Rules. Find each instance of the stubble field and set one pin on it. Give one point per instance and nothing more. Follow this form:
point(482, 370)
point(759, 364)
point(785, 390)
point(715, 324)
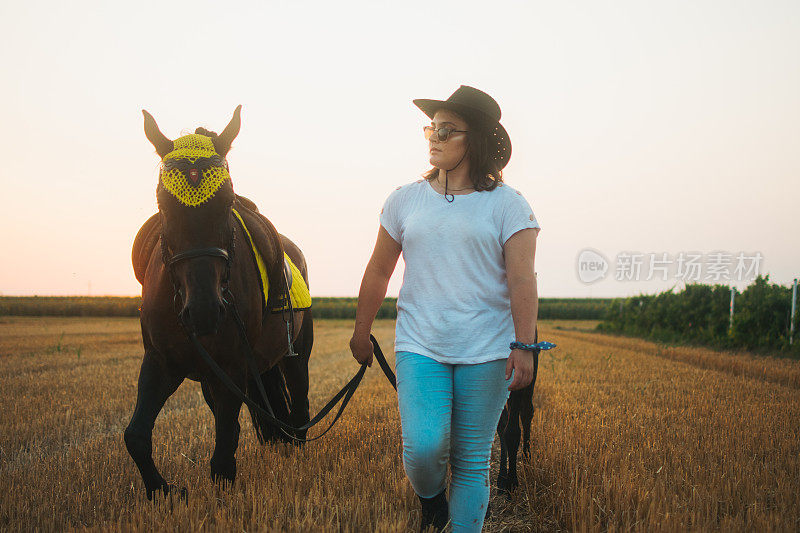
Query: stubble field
point(627, 435)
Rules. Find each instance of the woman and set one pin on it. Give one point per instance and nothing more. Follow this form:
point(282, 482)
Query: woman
point(469, 290)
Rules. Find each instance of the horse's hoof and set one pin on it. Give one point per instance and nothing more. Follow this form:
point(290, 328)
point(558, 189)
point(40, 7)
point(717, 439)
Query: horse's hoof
point(168, 491)
point(504, 490)
point(163, 489)
point(182, 495)
point(502, 484)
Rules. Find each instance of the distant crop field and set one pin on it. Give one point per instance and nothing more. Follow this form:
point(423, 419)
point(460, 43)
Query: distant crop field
point(627, 435)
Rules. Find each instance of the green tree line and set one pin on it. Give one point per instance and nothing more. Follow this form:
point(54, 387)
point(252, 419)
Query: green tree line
point(323, 307)
point(700, 314)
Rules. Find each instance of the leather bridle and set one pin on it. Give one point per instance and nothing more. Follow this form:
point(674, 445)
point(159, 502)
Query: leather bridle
point(170, 260)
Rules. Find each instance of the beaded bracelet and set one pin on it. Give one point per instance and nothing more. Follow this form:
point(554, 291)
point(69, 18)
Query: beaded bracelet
point(543, 345)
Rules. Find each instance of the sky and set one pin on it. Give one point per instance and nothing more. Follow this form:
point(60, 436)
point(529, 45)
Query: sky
point(637, 128)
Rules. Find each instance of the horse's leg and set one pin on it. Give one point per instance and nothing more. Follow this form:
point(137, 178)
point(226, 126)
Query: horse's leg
point(226, 425)
point(155, 386)
point(207, 395)
point(278, 396)
point(265, 431)
point(526, 411)
point(513, 434)
point(527, 417)
point(502, 476)
point(296, 374)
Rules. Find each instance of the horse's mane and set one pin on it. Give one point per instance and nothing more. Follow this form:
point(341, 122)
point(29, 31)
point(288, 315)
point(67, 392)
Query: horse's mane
point(208, 133)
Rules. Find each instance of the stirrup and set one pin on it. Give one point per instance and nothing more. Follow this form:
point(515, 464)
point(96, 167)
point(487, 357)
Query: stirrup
point(287, 277)
point(291, 352)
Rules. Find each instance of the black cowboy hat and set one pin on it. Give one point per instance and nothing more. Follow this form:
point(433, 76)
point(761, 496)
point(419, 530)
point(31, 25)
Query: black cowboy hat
point(476, 107)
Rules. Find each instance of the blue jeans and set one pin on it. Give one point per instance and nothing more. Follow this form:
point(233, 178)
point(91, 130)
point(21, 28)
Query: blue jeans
point(450, 411)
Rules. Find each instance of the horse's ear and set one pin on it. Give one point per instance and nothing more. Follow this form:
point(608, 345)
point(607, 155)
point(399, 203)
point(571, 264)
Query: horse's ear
point(159, 140)
point(222, 144)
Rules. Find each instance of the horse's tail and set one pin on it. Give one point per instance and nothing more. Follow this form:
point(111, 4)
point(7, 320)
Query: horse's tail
point(278, 396)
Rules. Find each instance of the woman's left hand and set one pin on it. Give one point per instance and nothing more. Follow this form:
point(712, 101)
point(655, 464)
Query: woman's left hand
point(521, 362)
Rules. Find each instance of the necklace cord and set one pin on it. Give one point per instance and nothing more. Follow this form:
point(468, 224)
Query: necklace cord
point(452, 197)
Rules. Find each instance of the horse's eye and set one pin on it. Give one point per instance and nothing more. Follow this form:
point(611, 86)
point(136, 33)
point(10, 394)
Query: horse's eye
point(165, 243)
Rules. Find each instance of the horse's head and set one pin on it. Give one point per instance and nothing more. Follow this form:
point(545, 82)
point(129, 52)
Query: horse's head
point(195, 195)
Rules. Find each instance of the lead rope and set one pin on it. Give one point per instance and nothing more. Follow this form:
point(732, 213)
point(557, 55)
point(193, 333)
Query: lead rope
point(346, 393)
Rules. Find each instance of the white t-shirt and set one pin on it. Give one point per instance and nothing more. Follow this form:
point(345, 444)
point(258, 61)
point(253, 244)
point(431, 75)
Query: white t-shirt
point(454, 303)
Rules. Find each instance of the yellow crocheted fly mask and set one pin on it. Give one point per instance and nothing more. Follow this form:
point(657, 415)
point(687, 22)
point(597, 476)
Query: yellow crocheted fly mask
point(193, 172)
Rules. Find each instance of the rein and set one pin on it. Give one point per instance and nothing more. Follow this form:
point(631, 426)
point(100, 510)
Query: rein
point(346, 392)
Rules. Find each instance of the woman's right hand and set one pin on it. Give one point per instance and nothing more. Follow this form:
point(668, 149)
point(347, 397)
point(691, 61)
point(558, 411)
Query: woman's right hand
point(373, 289)
point(362, 348)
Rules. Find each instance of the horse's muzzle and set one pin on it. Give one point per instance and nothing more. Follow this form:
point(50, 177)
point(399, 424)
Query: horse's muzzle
point(202, 319)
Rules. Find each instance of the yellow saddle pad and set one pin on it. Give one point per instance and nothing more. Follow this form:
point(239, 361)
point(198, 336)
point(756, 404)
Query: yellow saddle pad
point(298, 290)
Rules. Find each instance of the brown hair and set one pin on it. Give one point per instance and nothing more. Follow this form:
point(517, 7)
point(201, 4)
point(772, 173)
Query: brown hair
point(483, 171)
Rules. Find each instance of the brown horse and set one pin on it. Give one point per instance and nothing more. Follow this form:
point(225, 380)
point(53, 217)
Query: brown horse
point(194, 267)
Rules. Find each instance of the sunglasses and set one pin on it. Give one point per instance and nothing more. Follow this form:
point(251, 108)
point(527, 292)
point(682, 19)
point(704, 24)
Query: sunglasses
point(441, 134)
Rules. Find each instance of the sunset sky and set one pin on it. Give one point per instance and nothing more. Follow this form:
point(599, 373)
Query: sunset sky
point(661, 127)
